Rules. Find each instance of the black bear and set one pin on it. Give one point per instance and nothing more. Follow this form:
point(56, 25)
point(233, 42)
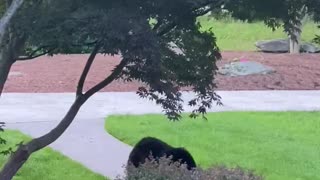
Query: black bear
point(159, 149)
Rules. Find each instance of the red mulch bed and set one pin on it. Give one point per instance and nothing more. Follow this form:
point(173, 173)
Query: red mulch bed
point(60, 73)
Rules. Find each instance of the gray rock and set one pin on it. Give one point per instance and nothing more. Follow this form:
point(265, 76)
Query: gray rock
point(309, 48)
point(283, 46)
point(274, 46)
point(245, 68)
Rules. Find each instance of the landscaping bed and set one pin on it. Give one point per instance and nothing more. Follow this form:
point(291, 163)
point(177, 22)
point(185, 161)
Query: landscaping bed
point(61, 73)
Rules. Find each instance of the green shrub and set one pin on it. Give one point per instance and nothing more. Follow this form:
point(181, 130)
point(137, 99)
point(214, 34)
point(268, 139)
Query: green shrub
point(165, 170)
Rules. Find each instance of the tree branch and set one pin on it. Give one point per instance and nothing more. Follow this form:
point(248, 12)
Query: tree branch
point(204, 12)
point(207, 3)
point(1, 89)
point(37, 50)
point(115, 73)
point(167, 29)
point(53, 135)
point(33, 56)
point(86, 70)
point(86, 44)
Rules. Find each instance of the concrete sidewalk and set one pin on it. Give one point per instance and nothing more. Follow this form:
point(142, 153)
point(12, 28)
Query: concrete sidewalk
point(86, 140)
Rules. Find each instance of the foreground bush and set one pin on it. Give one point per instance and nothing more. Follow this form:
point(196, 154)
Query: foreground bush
point(165, 170)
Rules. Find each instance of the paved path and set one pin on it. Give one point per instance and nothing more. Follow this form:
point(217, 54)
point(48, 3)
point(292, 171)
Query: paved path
point(87, 142)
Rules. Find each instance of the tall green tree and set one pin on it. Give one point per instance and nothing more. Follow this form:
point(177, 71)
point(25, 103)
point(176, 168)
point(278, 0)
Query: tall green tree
point(159, 42)
point(288, 14)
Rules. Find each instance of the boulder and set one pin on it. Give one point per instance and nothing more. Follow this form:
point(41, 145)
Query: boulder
point(309, 48)
point(245, 68)
point(274, 46)
point(283, 46)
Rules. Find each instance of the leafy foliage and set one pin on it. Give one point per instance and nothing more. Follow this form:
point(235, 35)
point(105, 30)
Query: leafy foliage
point(278, 9)
point(165, 169)
point(4, 141)
point(317, 39)
point(147, 50)
point(276, 13)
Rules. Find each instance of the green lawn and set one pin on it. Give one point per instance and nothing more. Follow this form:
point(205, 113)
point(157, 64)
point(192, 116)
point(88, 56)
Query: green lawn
point(47, 164)
point(280, 146)
point(240, 36)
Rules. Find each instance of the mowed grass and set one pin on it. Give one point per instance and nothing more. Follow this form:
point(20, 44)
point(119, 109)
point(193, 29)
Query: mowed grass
point(279, 146)
point(46, 164)
point(235, 35)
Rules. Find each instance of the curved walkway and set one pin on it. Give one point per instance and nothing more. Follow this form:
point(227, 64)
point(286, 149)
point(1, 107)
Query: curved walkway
point(86, 140)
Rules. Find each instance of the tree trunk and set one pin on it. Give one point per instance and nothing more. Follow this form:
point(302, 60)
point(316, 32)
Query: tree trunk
point(23, 153)
point(295, 42)
point(19, 158)
point(295, 30)
point(295, 36)
point(9, 52)
point(6, 62)
point(7, 44)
